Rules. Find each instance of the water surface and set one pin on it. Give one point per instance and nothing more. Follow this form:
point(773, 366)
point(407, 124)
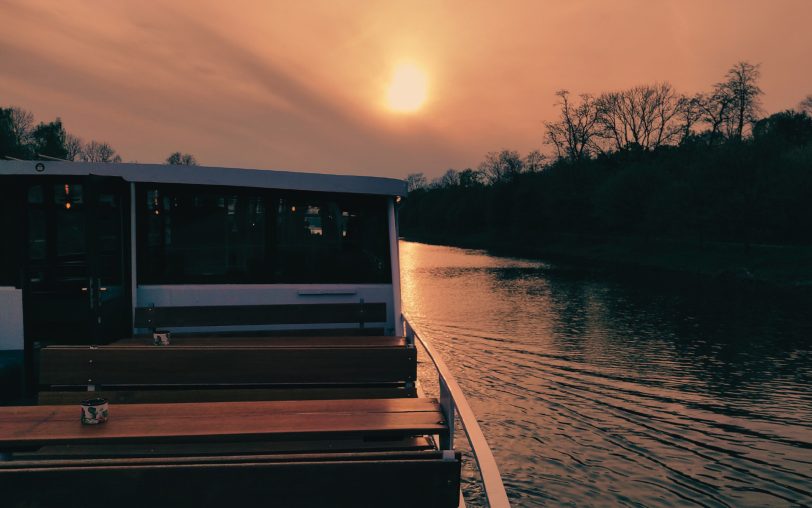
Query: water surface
point(596, 391)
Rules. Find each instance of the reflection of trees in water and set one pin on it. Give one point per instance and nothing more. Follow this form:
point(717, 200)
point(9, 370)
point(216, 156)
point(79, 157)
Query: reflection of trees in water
point(731, 342)
point(728, 341)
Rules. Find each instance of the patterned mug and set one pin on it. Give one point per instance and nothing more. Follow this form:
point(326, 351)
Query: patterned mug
point(95, 411)
point(161, 337)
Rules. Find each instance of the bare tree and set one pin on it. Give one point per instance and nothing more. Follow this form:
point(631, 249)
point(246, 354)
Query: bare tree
point(99, 152)
point(573, 135)
point(416, 181)
point(450, 178)
point(22, 123)
point(689, 113)
point(534, 161)
point(73, 146)
point(643, 116)
point(741, 85)
point(716, 111)
point(806, 104)
point(182, 159)
point(501, 166)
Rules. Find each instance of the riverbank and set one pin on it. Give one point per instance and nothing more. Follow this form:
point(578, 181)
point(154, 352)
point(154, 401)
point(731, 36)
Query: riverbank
point(782, 268)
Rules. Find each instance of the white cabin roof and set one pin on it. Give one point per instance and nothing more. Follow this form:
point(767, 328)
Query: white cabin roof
point(206, 175)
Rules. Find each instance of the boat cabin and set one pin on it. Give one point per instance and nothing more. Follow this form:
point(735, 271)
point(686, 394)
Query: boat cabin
point(94, 253)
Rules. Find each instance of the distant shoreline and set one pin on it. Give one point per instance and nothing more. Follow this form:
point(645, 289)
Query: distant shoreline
point(781, 269)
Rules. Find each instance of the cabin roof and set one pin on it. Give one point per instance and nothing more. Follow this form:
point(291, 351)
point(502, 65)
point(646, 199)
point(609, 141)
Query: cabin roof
point(207, 175)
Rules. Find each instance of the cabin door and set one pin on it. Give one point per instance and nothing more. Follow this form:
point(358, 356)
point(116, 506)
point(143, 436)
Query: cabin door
point(77, 265)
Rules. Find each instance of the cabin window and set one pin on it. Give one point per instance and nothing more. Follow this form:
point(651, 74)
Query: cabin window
point(327, 239)
point(12, 229)
point(200, 234)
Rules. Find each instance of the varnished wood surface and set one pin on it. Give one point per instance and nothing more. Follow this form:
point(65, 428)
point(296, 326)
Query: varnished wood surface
point(220, 421)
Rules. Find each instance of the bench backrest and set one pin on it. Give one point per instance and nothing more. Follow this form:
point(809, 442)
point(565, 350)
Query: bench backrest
point(201, 365)
point(359, 313)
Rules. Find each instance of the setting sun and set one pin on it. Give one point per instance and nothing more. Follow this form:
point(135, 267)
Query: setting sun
point(407, 90)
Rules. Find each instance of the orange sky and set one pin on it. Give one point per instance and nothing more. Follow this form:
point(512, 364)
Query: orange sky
point(301, 85)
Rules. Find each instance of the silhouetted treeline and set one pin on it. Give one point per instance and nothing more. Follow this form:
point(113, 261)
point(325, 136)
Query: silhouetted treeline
point(21, 139)
point(646, 162)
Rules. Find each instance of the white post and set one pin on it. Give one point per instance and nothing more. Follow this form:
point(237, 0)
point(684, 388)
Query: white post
point(395, 256)
point(447, 404)
point(133, 250)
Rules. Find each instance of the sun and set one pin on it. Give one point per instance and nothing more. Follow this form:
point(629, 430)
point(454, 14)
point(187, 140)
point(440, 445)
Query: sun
point(407, 90)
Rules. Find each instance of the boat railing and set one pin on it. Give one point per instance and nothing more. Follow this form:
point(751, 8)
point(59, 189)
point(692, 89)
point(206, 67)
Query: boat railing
point(453, 402)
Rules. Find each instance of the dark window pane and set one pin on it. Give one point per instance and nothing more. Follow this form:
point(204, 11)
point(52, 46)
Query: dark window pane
point(12, 228)
point(70, 232)
point(37, 239)
point(109, 229)
point(331, 239)
point(196, 234)
point(35, 195)
point(199, 234)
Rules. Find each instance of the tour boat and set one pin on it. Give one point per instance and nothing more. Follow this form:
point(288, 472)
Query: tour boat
point(242, 330)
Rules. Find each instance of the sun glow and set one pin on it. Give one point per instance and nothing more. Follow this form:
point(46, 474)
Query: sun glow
point(407, 90)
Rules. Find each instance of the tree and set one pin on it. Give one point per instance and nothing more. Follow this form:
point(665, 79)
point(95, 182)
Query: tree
point(470, 178)
point(741, 85)
point(806, 104)
point(573, 135)
point(11, 145)
point(73, 147)
point(99, 152)
point(48, 139)
point(21, 123)
point(534, 161)
point(689, 113)
point(501, 166)
point(416, 181)
point(790, 127)
point(643, 116)
point(450, 178)
point(182, 159)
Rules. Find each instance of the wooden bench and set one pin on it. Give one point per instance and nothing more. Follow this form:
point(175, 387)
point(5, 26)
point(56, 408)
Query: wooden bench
point(230, 369)
point(401, 478)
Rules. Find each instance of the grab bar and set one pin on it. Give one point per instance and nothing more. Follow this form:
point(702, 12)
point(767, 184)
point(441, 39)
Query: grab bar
point(451, 398)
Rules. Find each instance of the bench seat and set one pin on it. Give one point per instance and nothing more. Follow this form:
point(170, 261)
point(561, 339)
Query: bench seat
point(350, 453)
point(35, 426)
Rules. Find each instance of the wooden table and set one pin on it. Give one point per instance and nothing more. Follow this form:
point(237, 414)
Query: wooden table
point(34, 426)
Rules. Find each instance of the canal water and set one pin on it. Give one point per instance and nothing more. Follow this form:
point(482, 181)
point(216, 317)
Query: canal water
point(593, 390)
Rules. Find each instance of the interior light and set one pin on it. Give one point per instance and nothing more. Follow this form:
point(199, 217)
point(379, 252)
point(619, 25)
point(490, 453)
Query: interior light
point(67, 205)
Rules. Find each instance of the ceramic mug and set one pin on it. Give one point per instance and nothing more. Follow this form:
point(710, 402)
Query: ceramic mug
point(95, 411)
point(160, 337)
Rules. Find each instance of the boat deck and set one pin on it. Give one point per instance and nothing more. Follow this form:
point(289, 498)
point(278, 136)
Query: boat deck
point(311, 420)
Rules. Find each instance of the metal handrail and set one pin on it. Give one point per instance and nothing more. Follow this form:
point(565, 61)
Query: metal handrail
point(451, 398)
